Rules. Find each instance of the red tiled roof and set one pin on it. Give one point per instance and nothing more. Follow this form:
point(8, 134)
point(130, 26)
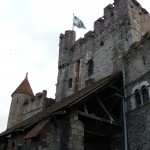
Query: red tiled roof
point(24, 87)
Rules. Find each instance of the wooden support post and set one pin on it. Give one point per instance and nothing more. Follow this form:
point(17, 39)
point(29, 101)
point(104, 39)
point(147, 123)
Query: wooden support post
point(85, 108)
point(107, 112)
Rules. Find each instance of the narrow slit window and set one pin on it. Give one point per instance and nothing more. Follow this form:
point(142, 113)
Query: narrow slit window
point(137, 98)
point(90, 67)
point(70, 83)
point(145, 94)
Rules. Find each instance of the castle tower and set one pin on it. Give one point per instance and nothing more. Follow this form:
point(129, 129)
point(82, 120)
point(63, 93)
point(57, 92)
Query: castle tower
point(67, 40)
point(101, 50)
point(19, 97)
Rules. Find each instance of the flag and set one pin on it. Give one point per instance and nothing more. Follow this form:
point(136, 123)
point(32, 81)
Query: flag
point(78, 23)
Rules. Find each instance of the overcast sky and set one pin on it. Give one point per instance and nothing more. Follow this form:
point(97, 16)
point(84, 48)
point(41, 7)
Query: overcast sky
point(29, 38)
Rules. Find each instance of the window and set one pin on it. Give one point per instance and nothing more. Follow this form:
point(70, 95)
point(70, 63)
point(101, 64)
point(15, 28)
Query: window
point(70, 83)
point(90, 67)
point(77, 79)
point(137, 98)
point(140, 94)
point(13, 144)
point(19, 147)
point(145, 94)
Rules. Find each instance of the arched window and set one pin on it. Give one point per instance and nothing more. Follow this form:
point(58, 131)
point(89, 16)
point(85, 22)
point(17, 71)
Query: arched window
point(70, 83)
point(145, 94)
point(137, 98)
point(90, 67)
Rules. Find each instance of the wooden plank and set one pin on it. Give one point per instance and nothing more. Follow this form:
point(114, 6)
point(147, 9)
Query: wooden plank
point(116, 94)
point(93, 133)
point(95, 117)
point(115, 88)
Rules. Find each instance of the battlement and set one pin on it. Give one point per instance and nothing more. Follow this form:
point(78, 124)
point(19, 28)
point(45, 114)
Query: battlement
point(112, 14)
point(138, 5)
point(67, 39)
point(122, 23)
point(65, 43)
point(36, 104)
point(109, 11)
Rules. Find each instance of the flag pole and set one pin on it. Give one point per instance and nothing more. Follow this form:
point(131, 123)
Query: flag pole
point(73, 23)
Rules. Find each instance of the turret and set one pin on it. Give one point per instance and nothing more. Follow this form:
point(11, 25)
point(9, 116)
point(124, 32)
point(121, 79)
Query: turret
point(66, 42)
point(19, 97)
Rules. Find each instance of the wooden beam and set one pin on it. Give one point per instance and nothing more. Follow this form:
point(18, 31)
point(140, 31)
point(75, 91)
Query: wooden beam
point(105, 109)
point(93, 133)
point(113, 95)
point(110, 109)
point(113, 105)
point(85, 108)
point(114, 87)
point(83, 114)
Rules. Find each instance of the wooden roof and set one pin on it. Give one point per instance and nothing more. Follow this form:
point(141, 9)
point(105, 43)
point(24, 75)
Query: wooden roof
point(63, 104)
point(37, 129)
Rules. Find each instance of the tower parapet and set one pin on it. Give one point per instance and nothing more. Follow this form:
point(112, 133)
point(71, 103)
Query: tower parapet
point(66, 42)
point(123, 23)
point(99, 25)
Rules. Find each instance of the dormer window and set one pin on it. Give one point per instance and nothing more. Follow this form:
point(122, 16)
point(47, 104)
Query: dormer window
point(70, 83)
point(90, 67)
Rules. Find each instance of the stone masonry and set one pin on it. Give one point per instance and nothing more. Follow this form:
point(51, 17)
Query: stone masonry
point(119, 42)
point(113, 34)
point(24, 104)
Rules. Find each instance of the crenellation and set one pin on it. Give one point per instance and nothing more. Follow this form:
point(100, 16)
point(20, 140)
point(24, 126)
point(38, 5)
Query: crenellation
point(79, 42)
point(67, 40)
point(24, 106)
point(136, 3)
point(139, 6)
point(35, 104)
point(108, 12)
point(144, 11)
point(89, 34)
point(110, 66)
point(113, 35)
point(139, 20)
point(118, 2)
point(99, 25)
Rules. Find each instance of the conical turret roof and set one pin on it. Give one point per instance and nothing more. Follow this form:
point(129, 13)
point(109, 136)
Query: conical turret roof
point(24, 87)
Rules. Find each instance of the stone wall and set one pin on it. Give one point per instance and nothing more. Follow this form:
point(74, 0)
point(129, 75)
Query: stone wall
point(137, 60)
point(137, 74)
point(138, 125)
point(139, 20)
point(60, 133)
point(24, 106)
point(16, 108)
point(34, 104)
point(137, 68)
point(113, 34)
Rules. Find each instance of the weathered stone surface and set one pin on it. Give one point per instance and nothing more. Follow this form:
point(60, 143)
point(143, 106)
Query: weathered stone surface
point(113, 35)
